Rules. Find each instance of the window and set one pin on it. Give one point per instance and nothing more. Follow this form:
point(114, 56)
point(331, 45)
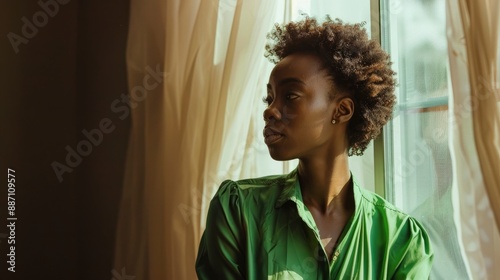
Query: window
point(418, 168)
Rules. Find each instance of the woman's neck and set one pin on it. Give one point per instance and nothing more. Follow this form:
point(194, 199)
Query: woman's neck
point(326, 184)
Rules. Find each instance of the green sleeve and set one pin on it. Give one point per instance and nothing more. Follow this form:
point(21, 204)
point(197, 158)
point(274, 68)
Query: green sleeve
point(220, 255)
point(417, 255)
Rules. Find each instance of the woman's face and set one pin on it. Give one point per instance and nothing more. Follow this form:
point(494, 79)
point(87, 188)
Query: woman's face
point(300, 111)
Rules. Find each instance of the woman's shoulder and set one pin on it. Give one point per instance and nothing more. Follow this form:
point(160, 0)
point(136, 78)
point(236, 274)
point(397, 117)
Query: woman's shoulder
point(377, 203)
point(396, 222)
point(381, 209)
point(253, 190)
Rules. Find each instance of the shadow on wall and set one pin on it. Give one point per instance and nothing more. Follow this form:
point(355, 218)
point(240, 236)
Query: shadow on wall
point(63, 64)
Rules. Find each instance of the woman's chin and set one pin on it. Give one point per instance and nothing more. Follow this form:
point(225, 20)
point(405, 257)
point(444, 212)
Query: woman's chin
point(279, 155)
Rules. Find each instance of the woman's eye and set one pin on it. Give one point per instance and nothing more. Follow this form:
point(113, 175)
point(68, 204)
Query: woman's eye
point(291, 96)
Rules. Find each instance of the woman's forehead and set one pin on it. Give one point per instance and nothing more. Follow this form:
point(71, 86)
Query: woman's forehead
point(302, 66)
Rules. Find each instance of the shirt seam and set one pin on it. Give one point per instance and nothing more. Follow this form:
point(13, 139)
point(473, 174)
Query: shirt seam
point(384, 205)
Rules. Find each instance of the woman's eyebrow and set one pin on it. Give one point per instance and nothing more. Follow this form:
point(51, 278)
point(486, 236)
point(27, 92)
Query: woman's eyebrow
point(291, 80)
point(287, 81)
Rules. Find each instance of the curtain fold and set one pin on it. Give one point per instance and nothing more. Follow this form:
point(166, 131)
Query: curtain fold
point(481, 38)
point(195, 124)
point(473, 28)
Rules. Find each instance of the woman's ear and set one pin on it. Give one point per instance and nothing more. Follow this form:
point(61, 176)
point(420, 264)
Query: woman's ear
point(344, 110)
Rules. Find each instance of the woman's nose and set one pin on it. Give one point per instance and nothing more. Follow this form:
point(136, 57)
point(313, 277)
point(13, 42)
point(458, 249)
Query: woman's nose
point(271, 113)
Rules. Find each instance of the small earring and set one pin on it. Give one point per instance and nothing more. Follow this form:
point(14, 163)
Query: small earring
point(334, 121)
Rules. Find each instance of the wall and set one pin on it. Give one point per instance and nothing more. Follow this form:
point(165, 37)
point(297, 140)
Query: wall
point(62, 80)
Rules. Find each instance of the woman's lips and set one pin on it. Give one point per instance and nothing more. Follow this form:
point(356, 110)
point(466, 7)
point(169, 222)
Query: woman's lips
point(271, 139)
point(271, 136)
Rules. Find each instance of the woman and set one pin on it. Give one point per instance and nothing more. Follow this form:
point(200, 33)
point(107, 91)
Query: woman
point(329, 94)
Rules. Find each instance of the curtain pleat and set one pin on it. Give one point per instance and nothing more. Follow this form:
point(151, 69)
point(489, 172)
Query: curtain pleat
point(194, 128)
point(475, 128)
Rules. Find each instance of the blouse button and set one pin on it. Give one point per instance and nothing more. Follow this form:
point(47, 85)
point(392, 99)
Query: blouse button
point(335, 255)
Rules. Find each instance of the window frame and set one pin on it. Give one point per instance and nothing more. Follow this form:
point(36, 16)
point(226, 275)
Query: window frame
point(384, 144)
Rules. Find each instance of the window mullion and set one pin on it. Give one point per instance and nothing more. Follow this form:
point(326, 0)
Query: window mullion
point(378, 147)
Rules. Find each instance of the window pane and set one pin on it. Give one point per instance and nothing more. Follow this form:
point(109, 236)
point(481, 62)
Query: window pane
point(418, 155)
point(420, 27)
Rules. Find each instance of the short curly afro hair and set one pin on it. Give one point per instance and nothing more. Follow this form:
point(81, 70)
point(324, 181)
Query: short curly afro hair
point(357, 65)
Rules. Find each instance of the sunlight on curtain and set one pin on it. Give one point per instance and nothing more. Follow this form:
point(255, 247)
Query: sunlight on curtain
point(473, 28)
point(199, 127)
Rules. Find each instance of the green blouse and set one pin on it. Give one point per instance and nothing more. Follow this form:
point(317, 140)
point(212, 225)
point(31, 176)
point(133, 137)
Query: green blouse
point(261, 229)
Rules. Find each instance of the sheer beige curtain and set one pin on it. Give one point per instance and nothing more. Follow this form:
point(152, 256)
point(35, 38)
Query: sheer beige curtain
point(196, 76)
point(473, 33)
